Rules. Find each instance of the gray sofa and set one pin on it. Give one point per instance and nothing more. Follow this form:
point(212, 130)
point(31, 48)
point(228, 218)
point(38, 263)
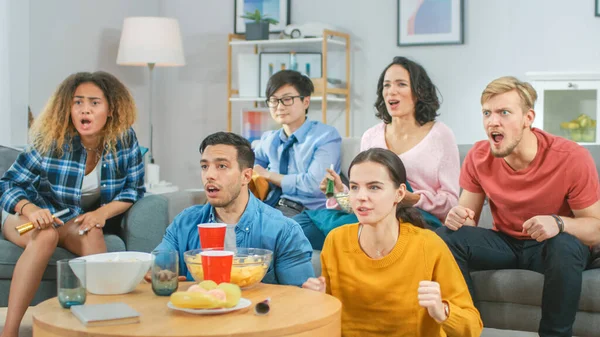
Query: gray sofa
point(511, 299)
point(141, 229)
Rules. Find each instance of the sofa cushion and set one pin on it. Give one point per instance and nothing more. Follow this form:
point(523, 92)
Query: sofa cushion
point(7, 158)
point(11, 253)
point(525, 287)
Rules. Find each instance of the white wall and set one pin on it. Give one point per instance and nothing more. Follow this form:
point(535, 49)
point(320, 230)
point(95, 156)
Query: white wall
point(19, 70)
point(14, 71)
point(507, 37)
point(5, 115)
point(68, 36)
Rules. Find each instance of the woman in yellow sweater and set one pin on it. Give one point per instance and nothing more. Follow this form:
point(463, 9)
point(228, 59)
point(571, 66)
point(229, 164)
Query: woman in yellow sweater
point(393, 277)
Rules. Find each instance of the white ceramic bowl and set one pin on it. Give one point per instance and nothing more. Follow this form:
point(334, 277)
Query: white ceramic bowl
point(113, 273)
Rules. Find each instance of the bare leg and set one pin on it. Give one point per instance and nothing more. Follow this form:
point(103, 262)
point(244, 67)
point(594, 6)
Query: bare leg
point(39, 246)
point(89, 243)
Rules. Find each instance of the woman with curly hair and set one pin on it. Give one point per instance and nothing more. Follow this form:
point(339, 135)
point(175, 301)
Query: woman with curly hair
point(84, 157)
point(407, 104)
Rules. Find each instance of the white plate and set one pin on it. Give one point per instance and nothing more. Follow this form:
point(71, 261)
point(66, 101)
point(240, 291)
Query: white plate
point(243, 303)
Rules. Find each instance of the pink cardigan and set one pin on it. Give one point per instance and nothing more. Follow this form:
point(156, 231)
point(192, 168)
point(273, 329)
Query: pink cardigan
point(432, 167)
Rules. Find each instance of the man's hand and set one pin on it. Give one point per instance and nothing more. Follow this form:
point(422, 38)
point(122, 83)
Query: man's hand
point(458, 216)
point(430, 297)
point(338, 186)
point(261, 171)
point(90, 220)
point(541, 227)
point(148, 277)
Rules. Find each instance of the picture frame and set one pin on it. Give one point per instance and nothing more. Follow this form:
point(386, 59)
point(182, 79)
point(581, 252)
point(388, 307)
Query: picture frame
point(310, 64)
point(266, 7)
point(425, 22)
point(597, 8)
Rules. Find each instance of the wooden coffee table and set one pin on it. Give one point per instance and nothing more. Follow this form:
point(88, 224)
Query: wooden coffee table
point(294, 312)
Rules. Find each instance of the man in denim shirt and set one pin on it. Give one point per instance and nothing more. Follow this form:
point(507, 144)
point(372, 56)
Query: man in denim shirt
point(227, 161)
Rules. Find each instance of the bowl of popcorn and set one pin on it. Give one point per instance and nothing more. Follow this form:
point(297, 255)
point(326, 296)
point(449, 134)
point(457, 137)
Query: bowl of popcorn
point(248, 268)
point(344, 201)
point(113, 273)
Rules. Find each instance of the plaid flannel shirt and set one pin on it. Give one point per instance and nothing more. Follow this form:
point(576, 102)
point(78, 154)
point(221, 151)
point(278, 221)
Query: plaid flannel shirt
point(55, 183)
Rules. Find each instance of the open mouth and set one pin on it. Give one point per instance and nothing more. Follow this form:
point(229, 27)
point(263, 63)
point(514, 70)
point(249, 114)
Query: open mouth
point(393, 103)
point(497, 137)
point(86, 123)
point(211, 190)
point(361, 210)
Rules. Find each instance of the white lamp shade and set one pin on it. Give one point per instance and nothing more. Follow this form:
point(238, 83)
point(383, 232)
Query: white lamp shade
point(150, 40)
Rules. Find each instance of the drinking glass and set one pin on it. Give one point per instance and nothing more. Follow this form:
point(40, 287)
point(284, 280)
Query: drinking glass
point(71, 282)
point(165, 272)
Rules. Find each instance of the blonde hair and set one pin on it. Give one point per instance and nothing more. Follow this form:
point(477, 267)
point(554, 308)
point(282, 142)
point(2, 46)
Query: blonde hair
point(507, 83)
point(53, 129)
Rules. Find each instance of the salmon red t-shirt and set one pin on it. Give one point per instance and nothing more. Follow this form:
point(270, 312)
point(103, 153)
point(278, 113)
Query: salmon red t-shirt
point(562, 177)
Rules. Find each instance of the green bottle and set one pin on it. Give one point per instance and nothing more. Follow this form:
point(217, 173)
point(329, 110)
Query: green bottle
point(330, 191)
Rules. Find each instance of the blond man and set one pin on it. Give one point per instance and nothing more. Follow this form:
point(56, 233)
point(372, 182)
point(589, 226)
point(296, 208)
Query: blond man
point(543, 192)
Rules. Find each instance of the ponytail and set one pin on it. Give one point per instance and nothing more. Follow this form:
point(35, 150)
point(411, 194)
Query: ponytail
point(411, 215)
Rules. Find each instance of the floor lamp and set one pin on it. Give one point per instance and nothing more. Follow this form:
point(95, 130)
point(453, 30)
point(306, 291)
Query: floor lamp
point(151, 42)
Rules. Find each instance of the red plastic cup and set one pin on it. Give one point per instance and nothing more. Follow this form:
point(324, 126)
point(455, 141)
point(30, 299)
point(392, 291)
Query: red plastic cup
point(212, 235)
point(216, 265)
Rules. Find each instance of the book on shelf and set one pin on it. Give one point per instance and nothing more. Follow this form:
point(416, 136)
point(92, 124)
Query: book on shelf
point(92, 315)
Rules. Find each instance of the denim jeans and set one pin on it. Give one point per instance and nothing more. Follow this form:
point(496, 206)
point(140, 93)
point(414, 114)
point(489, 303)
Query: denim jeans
point(561, 259)
point(314, 235)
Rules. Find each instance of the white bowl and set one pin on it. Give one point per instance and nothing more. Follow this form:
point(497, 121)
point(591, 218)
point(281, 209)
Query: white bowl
point(113, 273)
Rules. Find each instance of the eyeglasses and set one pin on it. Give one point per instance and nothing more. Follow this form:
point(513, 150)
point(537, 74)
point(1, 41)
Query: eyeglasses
point(286, 101)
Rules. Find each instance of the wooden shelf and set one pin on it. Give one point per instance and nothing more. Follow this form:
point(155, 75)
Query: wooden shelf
point(262, 99)
point(287, 42)
point(330, 40)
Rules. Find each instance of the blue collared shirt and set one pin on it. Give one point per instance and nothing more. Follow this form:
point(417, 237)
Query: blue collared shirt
point(318, 146)
point(261, 226)
point(54, 182)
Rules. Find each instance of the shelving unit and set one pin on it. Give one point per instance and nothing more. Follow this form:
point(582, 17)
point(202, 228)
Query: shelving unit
point(568, 104)
point(330, 39)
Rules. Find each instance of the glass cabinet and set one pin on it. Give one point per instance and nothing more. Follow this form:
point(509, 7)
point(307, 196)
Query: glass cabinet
point(568, 105)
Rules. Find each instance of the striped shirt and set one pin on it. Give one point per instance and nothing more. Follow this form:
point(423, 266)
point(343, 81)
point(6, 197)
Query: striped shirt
point(54, 182)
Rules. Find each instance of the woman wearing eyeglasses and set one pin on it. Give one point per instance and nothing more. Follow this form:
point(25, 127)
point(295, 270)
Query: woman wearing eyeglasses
point(294, 158)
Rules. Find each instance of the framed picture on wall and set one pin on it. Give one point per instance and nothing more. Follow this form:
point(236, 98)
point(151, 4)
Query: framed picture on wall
point(430, 22)
point(597, 8)
point(309, 64)
point(275, 9)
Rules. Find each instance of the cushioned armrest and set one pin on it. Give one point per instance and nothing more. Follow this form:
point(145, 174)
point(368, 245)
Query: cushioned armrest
point(145, 223)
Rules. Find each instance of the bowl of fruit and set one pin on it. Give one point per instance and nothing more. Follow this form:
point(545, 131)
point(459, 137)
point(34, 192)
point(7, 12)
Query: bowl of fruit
point(208, 298)
point(248, 268)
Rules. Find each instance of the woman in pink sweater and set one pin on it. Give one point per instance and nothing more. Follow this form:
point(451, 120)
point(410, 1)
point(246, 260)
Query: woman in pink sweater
point(407, 103)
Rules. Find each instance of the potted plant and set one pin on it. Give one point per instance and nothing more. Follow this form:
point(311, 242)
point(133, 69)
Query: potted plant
point(258, 29)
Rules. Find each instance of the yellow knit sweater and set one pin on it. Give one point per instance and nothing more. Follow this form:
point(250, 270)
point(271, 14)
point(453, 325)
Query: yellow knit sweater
point(379, 297)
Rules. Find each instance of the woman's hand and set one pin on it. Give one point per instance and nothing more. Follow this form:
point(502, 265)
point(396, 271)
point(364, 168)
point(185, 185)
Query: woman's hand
point(90, 220)
point(410, 199)
point(316, 284)
point(430, 297)
point(338, 186)
point(41, 218)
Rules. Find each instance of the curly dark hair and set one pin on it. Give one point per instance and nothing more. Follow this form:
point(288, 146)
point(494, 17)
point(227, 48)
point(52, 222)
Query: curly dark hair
point(425, 92)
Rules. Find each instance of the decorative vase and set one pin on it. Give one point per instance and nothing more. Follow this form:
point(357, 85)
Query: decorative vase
point(257, 31)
